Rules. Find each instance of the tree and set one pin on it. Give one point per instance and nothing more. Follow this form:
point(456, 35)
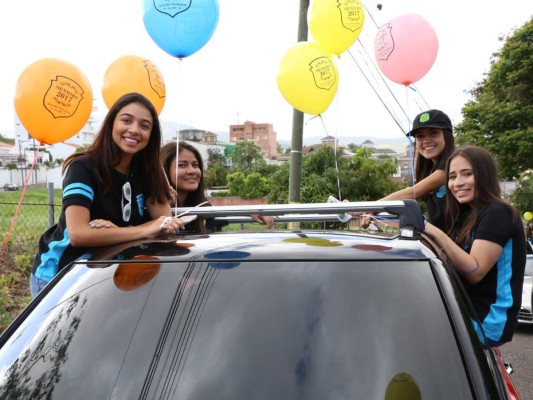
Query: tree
point(500, 116)
point(215, 155)
point(522, 197)
point(10, 167)
point(358, 178)
point(5, 139)
point(248, 186)
point(216, 175)
point(246, 155)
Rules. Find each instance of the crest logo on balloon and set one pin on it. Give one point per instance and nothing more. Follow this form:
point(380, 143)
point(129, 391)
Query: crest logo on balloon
point(63, 97)
point(323, 72)
point(172, 8)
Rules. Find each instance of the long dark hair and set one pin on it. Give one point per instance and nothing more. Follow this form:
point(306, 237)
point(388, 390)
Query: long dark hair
point(106, 155)
point(486, 191)
point(424, 166)
point(168, 154)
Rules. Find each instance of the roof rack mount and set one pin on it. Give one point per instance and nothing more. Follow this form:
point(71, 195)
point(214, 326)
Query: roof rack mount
point(408, 211)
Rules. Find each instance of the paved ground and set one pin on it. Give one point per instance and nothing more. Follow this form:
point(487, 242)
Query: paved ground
point(520, 353)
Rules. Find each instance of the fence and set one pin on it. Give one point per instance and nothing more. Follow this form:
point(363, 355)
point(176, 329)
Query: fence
point(33, 218)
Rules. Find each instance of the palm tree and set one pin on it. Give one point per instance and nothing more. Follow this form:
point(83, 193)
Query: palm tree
point(10, 167)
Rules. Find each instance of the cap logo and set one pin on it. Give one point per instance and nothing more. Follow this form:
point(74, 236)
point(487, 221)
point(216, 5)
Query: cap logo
point(424, 118)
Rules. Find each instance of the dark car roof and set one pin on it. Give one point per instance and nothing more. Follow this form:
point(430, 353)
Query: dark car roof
point(270, 245)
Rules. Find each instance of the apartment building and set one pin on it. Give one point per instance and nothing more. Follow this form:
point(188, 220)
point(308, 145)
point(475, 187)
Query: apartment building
point(262, 135)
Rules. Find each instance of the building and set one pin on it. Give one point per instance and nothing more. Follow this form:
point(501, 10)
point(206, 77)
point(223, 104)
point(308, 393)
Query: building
point(263, 135)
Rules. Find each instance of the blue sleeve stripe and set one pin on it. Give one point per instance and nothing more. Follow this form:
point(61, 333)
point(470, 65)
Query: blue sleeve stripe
point(79, 188)
point(495, 322)
point(50, 260)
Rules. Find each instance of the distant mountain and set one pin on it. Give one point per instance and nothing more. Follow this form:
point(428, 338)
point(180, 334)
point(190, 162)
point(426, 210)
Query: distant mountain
point(395, 142)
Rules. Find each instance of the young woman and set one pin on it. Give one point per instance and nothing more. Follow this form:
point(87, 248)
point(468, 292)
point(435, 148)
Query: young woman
point(486, 242)
point(433, 133)
point(188, 182)
point(113, 192)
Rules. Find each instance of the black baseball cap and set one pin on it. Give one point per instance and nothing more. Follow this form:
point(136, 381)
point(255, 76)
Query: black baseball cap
point(431, 119)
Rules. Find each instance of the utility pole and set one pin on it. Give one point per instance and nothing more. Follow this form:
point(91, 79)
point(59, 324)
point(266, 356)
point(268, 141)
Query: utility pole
point(295, 177)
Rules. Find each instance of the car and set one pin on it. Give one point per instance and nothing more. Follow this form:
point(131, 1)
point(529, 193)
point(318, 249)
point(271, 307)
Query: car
point(327, 312)
point(10, 187)
point(525, 316)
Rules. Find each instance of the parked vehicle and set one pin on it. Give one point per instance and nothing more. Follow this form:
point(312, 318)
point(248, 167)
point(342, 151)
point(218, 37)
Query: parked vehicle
point(525, 315)
point(277, 314)
point(10, 187)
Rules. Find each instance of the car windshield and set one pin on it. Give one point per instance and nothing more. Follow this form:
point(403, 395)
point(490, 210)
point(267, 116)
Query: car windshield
point(251, 330)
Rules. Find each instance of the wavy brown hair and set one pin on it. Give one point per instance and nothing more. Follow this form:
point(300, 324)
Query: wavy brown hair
point(168, 154)
point(486, 191)
point(105, 154)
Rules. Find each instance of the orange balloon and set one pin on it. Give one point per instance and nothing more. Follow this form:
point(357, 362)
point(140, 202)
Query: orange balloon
point(53, 100)
point(132, 276)
point(134, 74)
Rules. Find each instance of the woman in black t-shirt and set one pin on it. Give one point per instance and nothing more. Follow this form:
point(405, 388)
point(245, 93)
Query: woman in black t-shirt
point(113, 192)
point(433, 133)
point(187, 179)
point(487, 247)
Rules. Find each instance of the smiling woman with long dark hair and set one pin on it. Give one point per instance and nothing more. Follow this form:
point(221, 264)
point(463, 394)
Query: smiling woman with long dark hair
point(113, 192)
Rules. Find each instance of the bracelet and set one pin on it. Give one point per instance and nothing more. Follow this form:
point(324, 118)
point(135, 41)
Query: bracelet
point(167, 219)
point(445, 245)
point(471, 271)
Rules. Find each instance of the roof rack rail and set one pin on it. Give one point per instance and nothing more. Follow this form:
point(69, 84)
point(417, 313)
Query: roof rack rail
point(408, 212)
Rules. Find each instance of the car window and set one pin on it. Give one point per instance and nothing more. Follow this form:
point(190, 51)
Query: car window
point(254, 330)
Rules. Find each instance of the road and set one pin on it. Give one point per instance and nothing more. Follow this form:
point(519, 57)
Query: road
point(520, 353)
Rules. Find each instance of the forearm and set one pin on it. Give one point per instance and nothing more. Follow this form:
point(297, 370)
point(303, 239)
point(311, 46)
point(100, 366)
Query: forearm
point(464, 263)
point(103, 236)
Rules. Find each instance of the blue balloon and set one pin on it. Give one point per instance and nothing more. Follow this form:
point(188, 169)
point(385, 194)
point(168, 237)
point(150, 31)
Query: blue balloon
point(180, 27)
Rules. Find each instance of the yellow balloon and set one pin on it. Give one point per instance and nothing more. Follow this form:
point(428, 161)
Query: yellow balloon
point(336, 24)
point(53, 100)
point(134, 74)
point(528, 215)
point(308, 78)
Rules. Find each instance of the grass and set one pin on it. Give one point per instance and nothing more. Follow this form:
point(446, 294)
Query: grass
point(31, 222)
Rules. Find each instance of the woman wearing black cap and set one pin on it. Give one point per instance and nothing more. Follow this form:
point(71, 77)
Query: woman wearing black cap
point(433, 133)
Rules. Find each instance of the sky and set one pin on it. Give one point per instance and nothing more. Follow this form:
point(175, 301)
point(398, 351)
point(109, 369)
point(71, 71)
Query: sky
point(232, 79)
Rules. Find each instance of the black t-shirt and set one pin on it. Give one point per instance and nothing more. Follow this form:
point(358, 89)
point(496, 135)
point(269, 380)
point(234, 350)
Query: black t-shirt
point(436, 202)
point(498, 296)
point(82, 187)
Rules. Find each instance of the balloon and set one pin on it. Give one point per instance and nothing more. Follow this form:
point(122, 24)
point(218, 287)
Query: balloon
point(53, 100)
point(403, 386)
point(528, 215)
point(334, 24)
point(131, 276)
point(406, 48)
point(308, 78)
point(134, 74)
point(183, 27)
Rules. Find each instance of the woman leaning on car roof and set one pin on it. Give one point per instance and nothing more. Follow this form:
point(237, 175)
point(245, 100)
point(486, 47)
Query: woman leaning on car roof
point(113, 192)
point(434, 141)
point(486, 242)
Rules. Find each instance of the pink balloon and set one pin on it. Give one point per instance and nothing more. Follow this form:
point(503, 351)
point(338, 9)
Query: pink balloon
point(406, 48)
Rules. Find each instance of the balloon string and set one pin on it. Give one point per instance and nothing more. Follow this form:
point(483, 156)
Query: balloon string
point(36, 153)
point(334, 155)
point(411, 155)
point(180, 60)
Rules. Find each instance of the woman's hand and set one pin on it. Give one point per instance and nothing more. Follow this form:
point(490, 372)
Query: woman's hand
point(169, 224)
point(101, 223)
point(264, 220)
